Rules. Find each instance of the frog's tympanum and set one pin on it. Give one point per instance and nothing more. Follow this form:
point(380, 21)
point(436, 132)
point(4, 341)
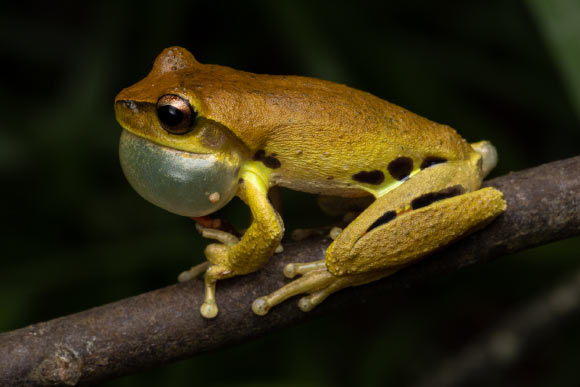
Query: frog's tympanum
point(196, 135)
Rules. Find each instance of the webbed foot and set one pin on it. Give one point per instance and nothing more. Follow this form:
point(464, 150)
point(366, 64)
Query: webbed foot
point(316, 281)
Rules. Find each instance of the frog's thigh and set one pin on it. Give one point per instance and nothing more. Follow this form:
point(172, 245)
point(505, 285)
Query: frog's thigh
point(391, 238)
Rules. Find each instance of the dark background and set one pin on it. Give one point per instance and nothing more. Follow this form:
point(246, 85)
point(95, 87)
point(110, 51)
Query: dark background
point(75, 235)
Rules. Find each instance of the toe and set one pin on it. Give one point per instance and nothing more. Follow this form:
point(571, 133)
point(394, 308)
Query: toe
point(209, 309)
point(261, 306)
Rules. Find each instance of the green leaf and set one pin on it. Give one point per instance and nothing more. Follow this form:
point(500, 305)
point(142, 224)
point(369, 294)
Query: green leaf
point(559, 23)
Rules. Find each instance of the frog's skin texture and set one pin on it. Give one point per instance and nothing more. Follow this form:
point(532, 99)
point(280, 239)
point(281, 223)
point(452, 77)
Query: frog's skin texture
point(238, 133)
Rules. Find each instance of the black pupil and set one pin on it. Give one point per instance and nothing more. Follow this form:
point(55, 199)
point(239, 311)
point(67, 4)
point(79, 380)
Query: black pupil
point(170, 115)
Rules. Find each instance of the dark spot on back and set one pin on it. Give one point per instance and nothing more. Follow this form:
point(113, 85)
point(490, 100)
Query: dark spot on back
point(269, 161)
point(432, 160)
point(369, 177)
point(260, 155)
point(272, 162)
point(432, 197)
point(401, 167)
point(385, 218)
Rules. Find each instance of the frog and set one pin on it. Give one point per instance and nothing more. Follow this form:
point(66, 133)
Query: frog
point(197, 135)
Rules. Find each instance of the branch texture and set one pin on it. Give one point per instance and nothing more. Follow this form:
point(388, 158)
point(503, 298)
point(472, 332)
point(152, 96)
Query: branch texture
point(165, 325)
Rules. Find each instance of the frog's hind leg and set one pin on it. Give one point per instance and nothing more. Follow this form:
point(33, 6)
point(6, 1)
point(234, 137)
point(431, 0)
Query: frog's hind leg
point(400, 237)
point(435, 207)
point(439, 205)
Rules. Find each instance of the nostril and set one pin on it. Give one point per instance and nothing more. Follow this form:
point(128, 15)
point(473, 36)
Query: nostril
point(129, 104)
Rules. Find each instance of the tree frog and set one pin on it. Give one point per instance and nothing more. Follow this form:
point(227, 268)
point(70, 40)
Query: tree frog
point(196, 135)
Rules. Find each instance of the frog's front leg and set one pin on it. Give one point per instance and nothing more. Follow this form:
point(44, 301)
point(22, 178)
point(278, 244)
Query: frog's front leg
point(223, 237)
point(414, 219)
point(231, 258)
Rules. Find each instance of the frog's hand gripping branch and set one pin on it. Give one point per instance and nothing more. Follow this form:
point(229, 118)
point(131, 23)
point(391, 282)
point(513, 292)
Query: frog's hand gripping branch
point(258, 244)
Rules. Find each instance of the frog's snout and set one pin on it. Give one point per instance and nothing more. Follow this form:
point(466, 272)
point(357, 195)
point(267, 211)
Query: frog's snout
point(185, 183)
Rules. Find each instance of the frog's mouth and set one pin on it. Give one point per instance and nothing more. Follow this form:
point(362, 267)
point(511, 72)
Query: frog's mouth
point(185, 183)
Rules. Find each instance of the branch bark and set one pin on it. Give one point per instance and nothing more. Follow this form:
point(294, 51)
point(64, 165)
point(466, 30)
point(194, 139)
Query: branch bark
point(164, 325)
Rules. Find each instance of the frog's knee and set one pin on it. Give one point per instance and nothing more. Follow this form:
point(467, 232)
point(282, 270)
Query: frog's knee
point(488, 156)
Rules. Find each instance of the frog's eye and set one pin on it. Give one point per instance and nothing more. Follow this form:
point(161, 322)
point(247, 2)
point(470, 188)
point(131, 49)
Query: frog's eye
point(175, 114)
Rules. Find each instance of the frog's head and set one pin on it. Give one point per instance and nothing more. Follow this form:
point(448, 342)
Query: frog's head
point(171, 154)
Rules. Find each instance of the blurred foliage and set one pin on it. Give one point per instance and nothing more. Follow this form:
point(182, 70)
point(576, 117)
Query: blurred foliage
point(558, 21)
point(75, 235)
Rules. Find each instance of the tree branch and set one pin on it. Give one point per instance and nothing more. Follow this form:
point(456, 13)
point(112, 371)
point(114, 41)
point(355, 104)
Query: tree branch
point(164, 325)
